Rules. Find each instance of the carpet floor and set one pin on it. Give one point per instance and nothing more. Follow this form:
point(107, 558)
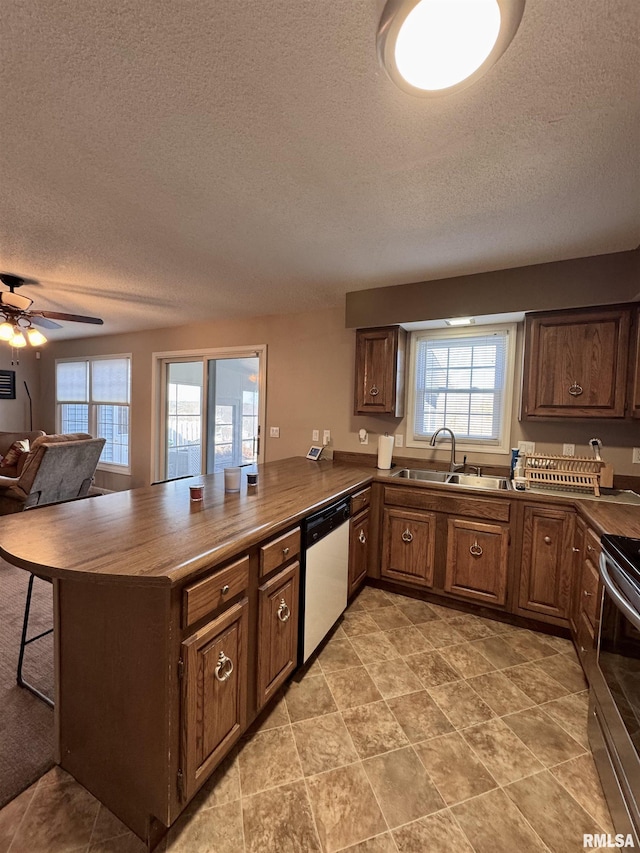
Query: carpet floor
point(26, 723)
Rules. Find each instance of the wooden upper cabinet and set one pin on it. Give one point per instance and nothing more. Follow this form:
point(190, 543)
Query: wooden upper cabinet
point(547, 558)
point(634, 369)
point(380, 361)
point(576, 363)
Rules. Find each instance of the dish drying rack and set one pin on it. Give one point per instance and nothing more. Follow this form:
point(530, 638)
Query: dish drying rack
point(563, 472)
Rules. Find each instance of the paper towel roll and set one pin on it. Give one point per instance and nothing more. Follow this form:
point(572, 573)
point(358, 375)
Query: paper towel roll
point(385, 449)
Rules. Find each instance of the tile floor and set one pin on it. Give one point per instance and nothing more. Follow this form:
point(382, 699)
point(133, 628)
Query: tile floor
point(417, 729)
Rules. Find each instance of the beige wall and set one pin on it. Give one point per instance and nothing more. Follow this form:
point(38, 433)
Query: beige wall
point(14, 414)
point(310, 367)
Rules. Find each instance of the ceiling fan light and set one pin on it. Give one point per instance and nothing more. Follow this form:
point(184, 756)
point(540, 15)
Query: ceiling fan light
point(18, 340)
point(15, 300)
point(36, 338)
point(6, 331)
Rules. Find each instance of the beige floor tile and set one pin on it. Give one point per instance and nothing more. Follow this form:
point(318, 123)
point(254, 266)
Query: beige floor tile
point(432, 669)
point(338, 654)
point(267, 760)
point(470, 627)
point(394, 678)
point(374, 647)
point(437, 832)
point(223, 786)
point(354, 624)
point(531, 645)
point(501, 751)
point(419, 716)
point(402, 786)
point(130, 843)
point(571, 712)
point(418, 612)
point(61, 816)
point(11, 816)
point(441, 633)
point(272, 717)
point(309, 698)
point(496, 626)
point(279, 820)
point(456, 771)
point(568, 672)
point(408, 641)
point(533, 681)
point(323, 744)
point(467, 660)
point(379, 844)
point(345, 808)
point(371, 598)
point(387, 618)
point(561, 644)
point(108, 826)
point(496, 825)
point(499, 652)
point(352, 687)
point(552, 812)
point(580, 777)
point(374, 729)
point(461, 704)
point(500, 693)
point(544, 737)
point(312, 667)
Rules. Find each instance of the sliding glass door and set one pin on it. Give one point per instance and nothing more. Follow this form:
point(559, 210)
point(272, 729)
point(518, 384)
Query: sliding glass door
point(210, 412)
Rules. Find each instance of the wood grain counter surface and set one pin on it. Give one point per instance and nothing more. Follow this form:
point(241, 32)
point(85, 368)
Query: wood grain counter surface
point(157, 535)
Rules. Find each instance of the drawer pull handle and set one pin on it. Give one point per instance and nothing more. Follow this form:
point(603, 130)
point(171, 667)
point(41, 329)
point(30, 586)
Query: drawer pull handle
point(224, 667)
point(285, 551)
point(362, 539)
point(374, 391)
point(588, 594)
point(547, 540)
point(475, 550)
point(575, 390)
point(407, 536)
point(283, 612)
point(225, 589)
point(590, 549)
point(576, 550)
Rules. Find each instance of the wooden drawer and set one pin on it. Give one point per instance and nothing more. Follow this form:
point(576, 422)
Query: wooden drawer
point(449, 502)
point(361, 500)
point(214, 591)
point(279, 551)
point(592, 547)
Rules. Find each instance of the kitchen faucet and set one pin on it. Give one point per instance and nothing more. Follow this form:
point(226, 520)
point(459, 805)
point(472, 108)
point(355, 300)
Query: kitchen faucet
point(452, 465)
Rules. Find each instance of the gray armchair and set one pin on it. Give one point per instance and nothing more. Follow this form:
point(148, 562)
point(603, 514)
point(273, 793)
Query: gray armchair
point(58, 468)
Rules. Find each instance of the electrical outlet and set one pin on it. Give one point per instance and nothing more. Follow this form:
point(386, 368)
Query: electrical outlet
point(635, 459)
point(527, 447)
point(326, 437)
point(274, 432)
point(315, 435)
point(568, 450)
point(399, 440)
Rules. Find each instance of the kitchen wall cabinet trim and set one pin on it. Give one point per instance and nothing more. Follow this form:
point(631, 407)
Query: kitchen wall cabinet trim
point(379, 371)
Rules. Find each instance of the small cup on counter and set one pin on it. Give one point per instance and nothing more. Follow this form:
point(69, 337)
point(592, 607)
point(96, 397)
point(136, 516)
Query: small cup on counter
point(232, 479)
point(252, 479)
point(196, 492)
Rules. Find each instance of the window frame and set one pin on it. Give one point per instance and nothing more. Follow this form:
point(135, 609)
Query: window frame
point(503, 444)
point(92, 406)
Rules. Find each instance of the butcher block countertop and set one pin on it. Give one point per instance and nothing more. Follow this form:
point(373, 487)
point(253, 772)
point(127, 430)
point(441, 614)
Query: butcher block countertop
point(156, 535)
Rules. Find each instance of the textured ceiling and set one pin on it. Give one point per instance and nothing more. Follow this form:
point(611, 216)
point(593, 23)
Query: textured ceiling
point(165, 162)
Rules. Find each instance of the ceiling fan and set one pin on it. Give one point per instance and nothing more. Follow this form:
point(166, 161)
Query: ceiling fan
point(17, 320)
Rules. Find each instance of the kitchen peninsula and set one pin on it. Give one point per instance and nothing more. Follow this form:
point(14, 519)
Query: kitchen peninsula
point(165, 651)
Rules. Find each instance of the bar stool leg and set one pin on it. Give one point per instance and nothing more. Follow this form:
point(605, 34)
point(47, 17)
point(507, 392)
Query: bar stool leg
point(24, 642)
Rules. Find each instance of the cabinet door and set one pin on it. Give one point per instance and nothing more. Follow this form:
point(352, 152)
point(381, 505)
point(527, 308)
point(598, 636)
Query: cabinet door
point(358, 550)
point(409, 546)
point(278, 611)
point(547, 542)
point(576, 363)
point(379, 383)
point(214, 692)
point(477, 560)
point(634, 371)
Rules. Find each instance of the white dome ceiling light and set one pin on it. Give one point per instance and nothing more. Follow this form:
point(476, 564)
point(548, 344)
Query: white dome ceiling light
point(433, 47)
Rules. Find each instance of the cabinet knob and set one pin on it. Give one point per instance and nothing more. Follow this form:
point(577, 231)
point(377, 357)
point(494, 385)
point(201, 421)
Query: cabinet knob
point(547, 540)
point(225, 589)
point(590, 549)
point(362, 538)
point(588, 594)
point(224, 667)
point(285, 551)
point(407, 536)
point(374, 391)
point(475, 550)
point(576, 550)
point(283, 613)
point(575, 390)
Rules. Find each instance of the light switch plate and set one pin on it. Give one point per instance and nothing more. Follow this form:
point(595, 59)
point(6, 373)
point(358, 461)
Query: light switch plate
point(315, 435)
point(568, 450)
point(527, 447)
point(635, 459)
point(399, 440)
point(326, 437)
point(274, 432)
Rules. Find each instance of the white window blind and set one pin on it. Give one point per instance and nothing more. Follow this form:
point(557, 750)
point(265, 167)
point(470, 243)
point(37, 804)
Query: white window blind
point(460, 384)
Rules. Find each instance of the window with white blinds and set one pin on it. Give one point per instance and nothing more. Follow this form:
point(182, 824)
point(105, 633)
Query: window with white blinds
point(462, 380)
point(93, 395)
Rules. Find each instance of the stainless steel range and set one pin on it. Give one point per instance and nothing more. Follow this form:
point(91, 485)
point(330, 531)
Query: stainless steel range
point(614, 718)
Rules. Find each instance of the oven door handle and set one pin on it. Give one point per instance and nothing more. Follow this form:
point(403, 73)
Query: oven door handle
point(618, 599)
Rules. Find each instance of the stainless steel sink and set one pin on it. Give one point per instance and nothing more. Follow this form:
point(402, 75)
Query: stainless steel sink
point(470, 481)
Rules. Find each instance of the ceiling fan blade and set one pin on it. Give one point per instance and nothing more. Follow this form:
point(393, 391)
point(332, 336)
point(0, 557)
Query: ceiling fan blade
point(44, 323)
point(74, 318)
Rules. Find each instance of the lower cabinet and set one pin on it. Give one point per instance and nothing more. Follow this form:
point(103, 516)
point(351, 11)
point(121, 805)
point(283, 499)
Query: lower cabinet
point(588, 592)
point(408, 546)
point(214, 692)
point(277, 630)
point(358, 549)
point(547, 556)
point(477, 560)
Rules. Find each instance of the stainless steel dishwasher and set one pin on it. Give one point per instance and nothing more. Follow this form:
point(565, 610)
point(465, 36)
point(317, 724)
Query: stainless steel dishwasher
point(325, 574)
